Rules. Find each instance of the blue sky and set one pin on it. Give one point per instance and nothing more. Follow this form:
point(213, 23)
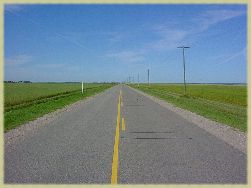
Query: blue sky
point(111, 42)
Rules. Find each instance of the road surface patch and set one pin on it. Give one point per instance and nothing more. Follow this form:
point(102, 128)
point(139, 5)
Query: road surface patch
point(156, 138)
point(150, 132)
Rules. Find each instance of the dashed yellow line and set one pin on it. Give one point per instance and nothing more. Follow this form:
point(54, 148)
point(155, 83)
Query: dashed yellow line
point(123, 124)
point(115, 160)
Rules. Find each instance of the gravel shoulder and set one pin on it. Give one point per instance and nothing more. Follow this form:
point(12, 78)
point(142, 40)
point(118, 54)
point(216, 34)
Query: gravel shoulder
point(226, 133)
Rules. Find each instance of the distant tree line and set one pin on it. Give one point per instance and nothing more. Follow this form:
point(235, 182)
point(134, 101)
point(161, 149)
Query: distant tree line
point(21, 81)
point(25, 81)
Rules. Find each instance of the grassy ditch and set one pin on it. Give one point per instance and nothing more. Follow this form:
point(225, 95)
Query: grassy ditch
point(34, 107)
point(222, 103)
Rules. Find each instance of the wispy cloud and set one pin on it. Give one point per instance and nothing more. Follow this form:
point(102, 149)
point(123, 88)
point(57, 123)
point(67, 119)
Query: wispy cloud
point(229, 58)
point(171, 36)
point(18, 59)
point(114, 37)
point(52, 66)
point(72, 37)
point(211, 17)
point(12, 8)
point(127, 56)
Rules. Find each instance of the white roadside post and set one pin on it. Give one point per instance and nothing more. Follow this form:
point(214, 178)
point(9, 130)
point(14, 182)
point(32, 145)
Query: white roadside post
point(82, 87)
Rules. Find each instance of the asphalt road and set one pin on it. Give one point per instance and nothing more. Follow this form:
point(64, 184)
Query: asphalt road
point(157, 147)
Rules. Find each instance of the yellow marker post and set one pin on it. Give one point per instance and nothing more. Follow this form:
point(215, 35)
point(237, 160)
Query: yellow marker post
point(123, 124)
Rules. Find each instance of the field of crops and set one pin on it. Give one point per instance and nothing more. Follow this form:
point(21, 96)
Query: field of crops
point(27, 101)
point(223, 103)
point(18, 93)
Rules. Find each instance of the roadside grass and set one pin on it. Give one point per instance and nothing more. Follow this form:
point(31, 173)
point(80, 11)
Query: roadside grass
point(19, 93)
point(24, 112)
point(222, 103)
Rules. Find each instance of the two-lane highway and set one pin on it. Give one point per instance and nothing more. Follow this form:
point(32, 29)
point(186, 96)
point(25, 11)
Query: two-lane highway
point(121, 136)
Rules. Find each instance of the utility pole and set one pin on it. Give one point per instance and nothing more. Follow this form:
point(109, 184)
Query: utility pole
point(138, 80)
point(184, 66)
point(148, 76)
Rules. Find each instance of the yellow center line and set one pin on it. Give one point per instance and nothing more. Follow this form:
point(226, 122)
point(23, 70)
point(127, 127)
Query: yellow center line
point(123, 124)
point(115, 160)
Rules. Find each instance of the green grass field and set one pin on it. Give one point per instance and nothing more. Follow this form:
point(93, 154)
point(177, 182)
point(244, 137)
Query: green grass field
point(18, 93)
point(25, 102)
point(222, 103)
